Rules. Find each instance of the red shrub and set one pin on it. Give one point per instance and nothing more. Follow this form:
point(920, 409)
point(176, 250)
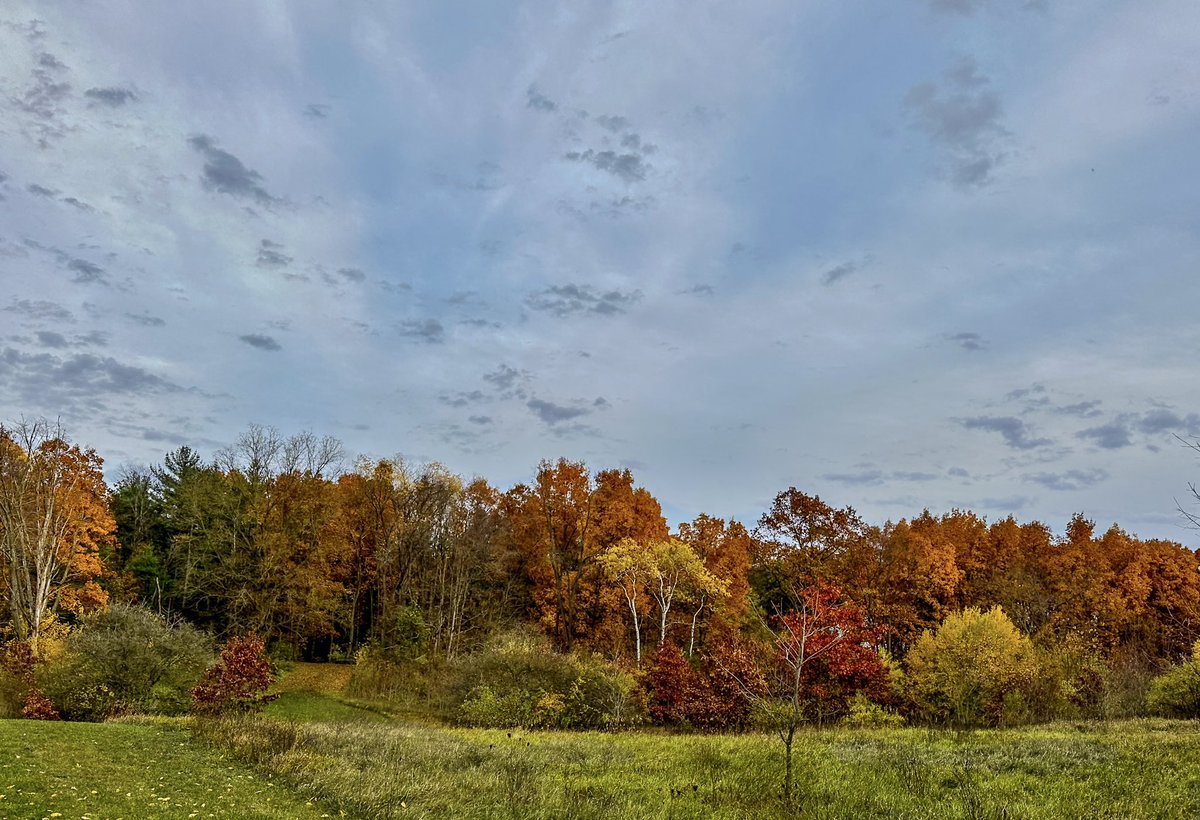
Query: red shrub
point(238, 681)
point(39, 707)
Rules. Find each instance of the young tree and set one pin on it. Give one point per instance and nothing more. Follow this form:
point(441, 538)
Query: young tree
point(54, 518)
point(821, 637)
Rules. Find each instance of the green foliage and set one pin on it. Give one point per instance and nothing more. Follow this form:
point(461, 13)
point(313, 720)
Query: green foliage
point(509, 710)
point(125, 659)
point(1176, 693)
point(962, 673)
point(406, 636)
point(504, 684)
point(865, 714)
point(12, 694)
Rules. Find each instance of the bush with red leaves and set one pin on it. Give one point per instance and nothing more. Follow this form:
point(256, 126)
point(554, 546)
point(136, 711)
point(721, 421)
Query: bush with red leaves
point(39, 707)
point(238, 681)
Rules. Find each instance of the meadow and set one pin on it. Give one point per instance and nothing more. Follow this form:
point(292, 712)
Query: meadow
point(317, 752)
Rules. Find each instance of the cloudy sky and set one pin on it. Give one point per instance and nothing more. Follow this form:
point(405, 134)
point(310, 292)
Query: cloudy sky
point(922, 253)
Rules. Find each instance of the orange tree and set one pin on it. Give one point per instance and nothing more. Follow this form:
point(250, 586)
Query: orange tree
point(54, 519)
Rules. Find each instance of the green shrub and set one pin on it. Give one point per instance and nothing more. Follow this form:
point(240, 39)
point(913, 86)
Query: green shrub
point(125, 659)
point(405, 635)
point(1176, 693)
point(12, 694)
point(510, 710)
point(505, 683)
point(378, 675)
point(865, 714)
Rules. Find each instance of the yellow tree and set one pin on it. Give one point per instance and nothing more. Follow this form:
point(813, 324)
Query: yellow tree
point(54, 517)
point(663, 570)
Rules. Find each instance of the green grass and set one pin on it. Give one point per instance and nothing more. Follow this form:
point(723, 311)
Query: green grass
point(1137, 769)
point(352, 758)
point(315, 692)
point(130, 770)
point(313, 707)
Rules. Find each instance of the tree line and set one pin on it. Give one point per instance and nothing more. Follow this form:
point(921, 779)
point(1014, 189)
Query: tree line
point(274, 536)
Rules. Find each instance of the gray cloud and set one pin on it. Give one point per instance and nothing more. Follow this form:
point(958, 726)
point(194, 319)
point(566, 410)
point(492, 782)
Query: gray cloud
point(612, 123)
point(1016, 434)
point(629, 167)
point(352, 274)
point(145, 319)
point(427, 330)
point(93, 337)
point(49, 338)
point(316, 111)
point(1069, 480)
point(697, 290)
point(85, 271)
point(967, 340)
point(865, 478)
point(1111, 436)
point(504, 378)
point(113, 97)
point(963, 117)
point(225, 173)
point(40, 190)
point(1082, 409)
point(463, 399)
point(46, 379)
point(875, 477)
point(261, 341)
point(270, 255)
point(955, 6)
point(840, 272)
point(1025, 392)
point(564, 300)
point(1165, 421)
point(552, 413)
point(538, 101)
point(902, 475)
point(480, 419)
point(40, 309)
point(76, 203)
point(968, 7)
point(41, 100)
point(1010, 503)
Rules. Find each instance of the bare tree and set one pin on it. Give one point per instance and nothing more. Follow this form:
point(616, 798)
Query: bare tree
point(817, 625)
point(1193, 518)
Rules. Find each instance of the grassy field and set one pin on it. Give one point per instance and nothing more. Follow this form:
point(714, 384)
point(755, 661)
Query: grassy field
point(319, 753)
point(1137, 769)
point(113, 770)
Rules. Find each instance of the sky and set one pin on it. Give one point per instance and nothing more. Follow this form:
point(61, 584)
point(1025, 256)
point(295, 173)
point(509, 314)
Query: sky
point(906, 255)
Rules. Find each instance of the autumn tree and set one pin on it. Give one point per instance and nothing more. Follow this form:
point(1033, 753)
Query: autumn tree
point(662, 571)
point(820, 640)
point(920, 579)
point(54, 520)
point(802, 537)
point(962, 671)
point(727, 551)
